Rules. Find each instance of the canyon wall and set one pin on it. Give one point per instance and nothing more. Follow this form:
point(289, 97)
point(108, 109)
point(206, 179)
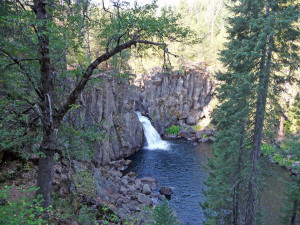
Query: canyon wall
point(176, 98)
point(181, 98)
point(109, 104)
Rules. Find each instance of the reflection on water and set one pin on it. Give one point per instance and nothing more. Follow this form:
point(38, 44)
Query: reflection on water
point(182, 169)
point(272, 197)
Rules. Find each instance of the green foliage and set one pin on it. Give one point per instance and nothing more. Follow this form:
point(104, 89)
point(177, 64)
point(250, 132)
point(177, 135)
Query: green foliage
point(267, 149)
point(87, 216)
point(173, 130)
point(163, 214)
point(109, 216)
point(23, 211)
point(16, 131)
point(240, 96)
point(206, 21)
point(198, 127)
point(78, 140)
point(146, 215)
point(285, 154)
point(85, 183)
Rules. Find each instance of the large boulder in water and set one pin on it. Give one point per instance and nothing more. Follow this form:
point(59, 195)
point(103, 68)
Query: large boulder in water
point(166, 191)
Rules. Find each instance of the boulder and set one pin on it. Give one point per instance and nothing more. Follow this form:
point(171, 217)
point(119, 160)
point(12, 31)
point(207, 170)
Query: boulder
point(149, 180)
point(115, 173)
point(123, 190)
point(211, 139)
point(166, 191)
point(124, 181)
point(191, 130)
point(203, 140)
point(183, 133)
point(132, 174)
point(146, 189)
point(204, 133)
point(138, 184)
point(132, 188)
point(142, 198)
point(191, 121)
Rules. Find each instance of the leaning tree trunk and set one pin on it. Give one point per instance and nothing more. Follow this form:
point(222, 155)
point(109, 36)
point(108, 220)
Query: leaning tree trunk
point(258, 132)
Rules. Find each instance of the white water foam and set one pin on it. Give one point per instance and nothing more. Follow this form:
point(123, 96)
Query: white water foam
point(153, 138)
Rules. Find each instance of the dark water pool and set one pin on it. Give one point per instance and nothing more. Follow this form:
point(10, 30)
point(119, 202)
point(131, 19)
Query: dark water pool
point(181, 167)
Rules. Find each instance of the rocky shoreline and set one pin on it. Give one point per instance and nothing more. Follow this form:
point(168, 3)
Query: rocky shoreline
point(121, 191)
point(106, 190)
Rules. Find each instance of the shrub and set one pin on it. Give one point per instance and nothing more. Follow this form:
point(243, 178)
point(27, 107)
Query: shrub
point(267, 149)
point(173, 130)
point(164, 214)
point(85, 183)
point(23, 211)
point(87, 216)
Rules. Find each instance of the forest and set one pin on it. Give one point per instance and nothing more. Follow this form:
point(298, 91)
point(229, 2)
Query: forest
point(98, 97)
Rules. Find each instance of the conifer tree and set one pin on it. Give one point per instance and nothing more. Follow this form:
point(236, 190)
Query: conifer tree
point(255, 32)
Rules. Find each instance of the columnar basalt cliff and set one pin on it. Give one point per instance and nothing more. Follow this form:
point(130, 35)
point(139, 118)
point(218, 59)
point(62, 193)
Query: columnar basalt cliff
point(180, 98)
point(108, 103)
point(177, 97)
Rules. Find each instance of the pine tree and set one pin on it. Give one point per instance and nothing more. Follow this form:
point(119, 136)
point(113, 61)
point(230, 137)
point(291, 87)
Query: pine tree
point(250, 58)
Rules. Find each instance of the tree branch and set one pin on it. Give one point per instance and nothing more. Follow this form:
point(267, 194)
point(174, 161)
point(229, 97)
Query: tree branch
point(157, 44)
point(18, 62)
point(89, 72)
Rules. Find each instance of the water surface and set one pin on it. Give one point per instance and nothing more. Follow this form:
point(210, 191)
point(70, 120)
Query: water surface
point(182, 168)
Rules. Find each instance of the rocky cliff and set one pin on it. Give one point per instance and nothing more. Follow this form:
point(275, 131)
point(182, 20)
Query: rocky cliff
point(108, 103)
point(180, 98)
point(177, 97)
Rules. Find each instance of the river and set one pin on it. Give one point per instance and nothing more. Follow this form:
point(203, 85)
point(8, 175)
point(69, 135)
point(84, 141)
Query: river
point(181, 167)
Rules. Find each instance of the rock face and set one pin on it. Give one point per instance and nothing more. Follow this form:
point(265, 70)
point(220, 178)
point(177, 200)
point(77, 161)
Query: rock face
point(109, 104)
point(175, 97)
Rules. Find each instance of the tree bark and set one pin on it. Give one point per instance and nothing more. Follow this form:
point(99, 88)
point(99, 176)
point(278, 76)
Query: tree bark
point(258, 132)
point(294, 216)
point(48, 146)
point(236, 195)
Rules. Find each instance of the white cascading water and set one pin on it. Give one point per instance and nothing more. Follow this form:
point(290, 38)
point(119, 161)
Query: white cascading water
point(153, 138)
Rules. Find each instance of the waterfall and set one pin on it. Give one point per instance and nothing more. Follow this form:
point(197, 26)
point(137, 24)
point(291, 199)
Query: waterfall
point(153, 138)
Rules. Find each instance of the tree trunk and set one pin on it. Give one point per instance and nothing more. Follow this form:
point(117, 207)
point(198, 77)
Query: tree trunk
point(45, 175)
point(236, 195)
point(280, 133)
point(258, 132)
point(48, 146)
point(294, 216)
